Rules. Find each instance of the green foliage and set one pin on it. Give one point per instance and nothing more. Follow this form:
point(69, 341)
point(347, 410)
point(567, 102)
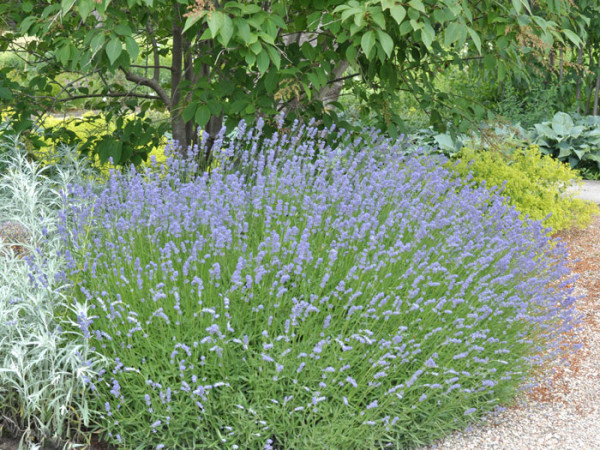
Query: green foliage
point(536, 185)
point(569, 141)
point(245, 60)
point(528, 104)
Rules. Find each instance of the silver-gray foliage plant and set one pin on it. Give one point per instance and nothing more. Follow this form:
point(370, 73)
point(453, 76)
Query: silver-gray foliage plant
point(41, 375)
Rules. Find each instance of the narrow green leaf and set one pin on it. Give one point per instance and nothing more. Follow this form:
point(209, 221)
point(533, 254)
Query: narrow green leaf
point(367, 42)
point(475, 37)
point(386, 42)
point(113, 50)
point(398, 13)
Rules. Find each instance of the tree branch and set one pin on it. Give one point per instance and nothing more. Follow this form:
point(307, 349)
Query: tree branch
point(109, 94)
point(154, 51)
point(152, 84)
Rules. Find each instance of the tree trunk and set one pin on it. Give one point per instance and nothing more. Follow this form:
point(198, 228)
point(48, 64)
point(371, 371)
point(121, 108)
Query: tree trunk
point(561, 64)
point(579, 75)
point(177, 123)
point(597, 92)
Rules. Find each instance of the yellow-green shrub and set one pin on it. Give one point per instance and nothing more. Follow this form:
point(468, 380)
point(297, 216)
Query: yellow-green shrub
point(83, 129)
point(535, 184)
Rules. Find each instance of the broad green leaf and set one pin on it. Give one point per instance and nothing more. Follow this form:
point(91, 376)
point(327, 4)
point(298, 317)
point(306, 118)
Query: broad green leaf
point(453, 33)
point(85, 7)
point(109, 147)
point(113, 50)
point(202, 115)
point(562, 123)
point(122, 30)
point(63, 54)
point(418, 5)
point(367, 42)
point(444, 142)
point(518, 5)
point(378, 18)
point(215, 21)
point(274, 55)
point(545, 131)
point(398, 13)
point(5, 93)
point(243, 30)
point(427, 34)
point(564, 152)
point(386, 42)
point(65, 6)
point(262, 61)
point(192, 20)
point(132, 48)
point(97, 43)
point(226, 30)
point(271, 81)
point(189, 112)
point(387, 4)
point(573, 37)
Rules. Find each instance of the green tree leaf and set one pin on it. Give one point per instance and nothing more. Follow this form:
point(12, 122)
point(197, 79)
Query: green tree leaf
point(132, 48)
point(215, 22)
point(418, 5)
point(398, 13)
point(226, 30)
point(262, 61)
point(367, 42)
point(386, 42)
point(113, 50)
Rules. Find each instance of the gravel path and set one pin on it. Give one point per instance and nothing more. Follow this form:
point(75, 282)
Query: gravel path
point(566, 416)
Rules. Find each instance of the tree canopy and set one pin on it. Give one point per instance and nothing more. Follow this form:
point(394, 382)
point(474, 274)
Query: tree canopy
point(209, 63)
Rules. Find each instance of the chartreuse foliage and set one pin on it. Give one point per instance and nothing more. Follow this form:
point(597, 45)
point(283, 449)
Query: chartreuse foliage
point(94, 128)
point(538, 186)
point(210, 63)
point(331, 298)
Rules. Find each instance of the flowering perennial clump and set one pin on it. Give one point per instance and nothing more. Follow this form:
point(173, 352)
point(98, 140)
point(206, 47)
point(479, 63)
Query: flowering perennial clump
point(306, 294)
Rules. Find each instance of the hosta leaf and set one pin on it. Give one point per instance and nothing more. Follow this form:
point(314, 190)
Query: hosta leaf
point(562, 123)
point(545, 131)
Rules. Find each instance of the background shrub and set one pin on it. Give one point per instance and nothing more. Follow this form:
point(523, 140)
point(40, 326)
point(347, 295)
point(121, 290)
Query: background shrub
point(535, 184)
point(345, 298)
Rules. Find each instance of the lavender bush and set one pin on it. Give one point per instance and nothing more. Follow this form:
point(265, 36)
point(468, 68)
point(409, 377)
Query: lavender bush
point(306, 295)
